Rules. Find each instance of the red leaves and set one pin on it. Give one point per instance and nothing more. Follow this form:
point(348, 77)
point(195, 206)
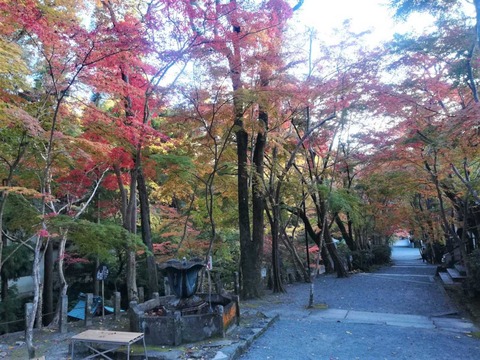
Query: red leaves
point(76, 183)
point(20, 118)
point(71, 258)
point(121, 158)
point(43, 233)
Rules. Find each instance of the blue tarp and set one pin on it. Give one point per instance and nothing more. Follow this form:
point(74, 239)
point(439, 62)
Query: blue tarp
point(78, 312)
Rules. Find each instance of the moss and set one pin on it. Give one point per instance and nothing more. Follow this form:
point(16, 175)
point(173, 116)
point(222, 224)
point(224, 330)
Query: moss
point(475, 334)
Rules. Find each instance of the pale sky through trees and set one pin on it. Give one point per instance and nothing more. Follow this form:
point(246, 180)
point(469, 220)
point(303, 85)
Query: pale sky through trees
point(365, 15)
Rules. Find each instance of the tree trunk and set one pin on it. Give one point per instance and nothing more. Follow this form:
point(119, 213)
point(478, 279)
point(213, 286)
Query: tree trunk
point(36, 297)
point(147, 234)
point(48, 284)
point(250, 258)
point(296, 258)
point(129, 220)
point(277, 283)
point(274, 217)
point(131, 226)
point(332, 249)
point(258, 190)
point(327, 260)
point(61, 275)
point(345, 234)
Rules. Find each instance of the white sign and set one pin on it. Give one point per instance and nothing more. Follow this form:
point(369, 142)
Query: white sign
point(102, 272)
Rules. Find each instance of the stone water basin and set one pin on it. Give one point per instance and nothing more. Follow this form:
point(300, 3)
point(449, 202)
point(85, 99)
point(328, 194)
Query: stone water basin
point(168, 320)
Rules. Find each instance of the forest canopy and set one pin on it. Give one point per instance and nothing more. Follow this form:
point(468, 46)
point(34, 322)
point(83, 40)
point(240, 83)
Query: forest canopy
point(135, 132)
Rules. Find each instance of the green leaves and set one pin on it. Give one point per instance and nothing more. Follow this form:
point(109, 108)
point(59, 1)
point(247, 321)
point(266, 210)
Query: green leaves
point(18, 261)
point(20, 215)
point(342, 201)
point(96, 240)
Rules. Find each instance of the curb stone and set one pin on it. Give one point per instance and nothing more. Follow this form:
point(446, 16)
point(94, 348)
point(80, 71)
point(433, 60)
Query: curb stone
point(243, 347)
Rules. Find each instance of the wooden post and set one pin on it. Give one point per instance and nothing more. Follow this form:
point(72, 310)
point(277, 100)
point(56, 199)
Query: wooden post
point(88, 310)
point(116, 305)
point(63, 328)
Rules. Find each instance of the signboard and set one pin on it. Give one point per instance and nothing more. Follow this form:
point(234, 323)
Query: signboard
point(102, 272)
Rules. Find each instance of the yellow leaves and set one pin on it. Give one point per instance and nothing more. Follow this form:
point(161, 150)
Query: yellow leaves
point(109, 104)
point(21, 191)
point(171, 188)
point(62, 10)
point(13, 68)
point(163, 148)
point(11, 56)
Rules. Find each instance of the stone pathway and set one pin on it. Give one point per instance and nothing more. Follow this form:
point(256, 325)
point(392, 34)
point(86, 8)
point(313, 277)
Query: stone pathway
point(398, 312)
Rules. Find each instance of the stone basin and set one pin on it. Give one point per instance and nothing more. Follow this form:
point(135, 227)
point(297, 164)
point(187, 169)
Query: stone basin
point(204, 317)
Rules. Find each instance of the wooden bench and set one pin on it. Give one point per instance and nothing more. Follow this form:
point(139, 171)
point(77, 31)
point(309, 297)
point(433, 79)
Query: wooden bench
point(102, 342)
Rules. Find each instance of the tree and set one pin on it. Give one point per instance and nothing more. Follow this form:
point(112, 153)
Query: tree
point(64, 51)
point(233, 32)
point(142, 92)
point(434, 108)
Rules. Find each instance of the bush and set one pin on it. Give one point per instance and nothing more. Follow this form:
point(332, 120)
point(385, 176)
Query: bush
point(473, 263)
point(362, 259)
point(11, 312)
point(381, 254)
point(365, 259)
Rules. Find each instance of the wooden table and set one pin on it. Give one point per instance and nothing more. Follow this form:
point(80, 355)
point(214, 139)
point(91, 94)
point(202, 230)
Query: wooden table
point(112, 340)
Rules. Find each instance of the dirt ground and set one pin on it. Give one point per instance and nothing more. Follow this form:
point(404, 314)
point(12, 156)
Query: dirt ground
point(52, 344)
point(55, 346)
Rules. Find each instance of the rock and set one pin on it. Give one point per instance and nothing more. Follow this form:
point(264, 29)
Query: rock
point(220, 356)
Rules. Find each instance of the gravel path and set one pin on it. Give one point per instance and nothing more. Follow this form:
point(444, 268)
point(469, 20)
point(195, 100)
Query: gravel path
point(367, 318)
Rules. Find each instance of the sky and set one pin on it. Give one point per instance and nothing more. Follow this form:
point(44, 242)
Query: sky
point(364, 15)
point(374, 15)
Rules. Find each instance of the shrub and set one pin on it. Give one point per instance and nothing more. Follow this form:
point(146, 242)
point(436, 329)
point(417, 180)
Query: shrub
point(11, 312)
point(362, 259)
point(473, 263)
point(381, 254)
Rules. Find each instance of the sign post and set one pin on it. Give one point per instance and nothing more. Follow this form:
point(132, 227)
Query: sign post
point(102, 274)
